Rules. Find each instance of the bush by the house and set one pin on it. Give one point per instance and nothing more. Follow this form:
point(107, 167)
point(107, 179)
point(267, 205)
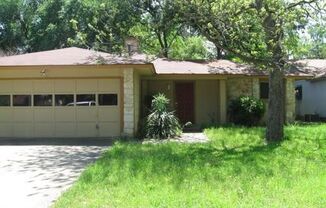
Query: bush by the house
point(246, 110)
point(161, 123)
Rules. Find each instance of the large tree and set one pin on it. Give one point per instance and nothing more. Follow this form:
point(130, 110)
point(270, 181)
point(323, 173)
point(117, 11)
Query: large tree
point(102, 24)
point(37, 25)
point(161, 18)
point(255, 31)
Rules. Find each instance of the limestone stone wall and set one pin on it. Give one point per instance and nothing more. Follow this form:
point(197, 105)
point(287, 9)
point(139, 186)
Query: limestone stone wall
point(128, 105)
point(236, 87)
point(250, 86)
point(137, 98)
point(255, 87)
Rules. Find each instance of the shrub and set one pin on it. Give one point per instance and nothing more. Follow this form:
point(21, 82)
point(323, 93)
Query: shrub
point(246, 110)
point(161, 123)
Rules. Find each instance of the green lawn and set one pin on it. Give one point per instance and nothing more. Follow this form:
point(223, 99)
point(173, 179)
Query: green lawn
point(236, 169)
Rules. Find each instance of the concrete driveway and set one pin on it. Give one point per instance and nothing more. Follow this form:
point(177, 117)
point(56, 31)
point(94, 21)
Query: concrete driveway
point(34, 175)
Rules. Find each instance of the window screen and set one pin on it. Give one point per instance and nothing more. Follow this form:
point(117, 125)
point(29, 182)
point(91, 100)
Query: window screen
point(264, 88)
point(4, 100)
point(22, 100)
point(108, 99)
point(43, 100)
point(64, 100)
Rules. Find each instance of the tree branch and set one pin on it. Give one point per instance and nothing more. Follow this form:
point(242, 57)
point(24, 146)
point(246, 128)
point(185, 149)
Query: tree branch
point(300, 3)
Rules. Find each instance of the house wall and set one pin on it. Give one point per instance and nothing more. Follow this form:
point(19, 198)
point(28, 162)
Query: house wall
point(250, 86)
point(129, 102)
point(206, 97)
point(207, 101)
point(212, 96)
point(290, 100)
point(128, 83)
point(237, 87)
point(313, 98)
point(137, 99)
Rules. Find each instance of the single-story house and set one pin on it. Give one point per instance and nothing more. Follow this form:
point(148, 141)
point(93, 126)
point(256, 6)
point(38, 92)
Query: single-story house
point(311, 94)
point(76, 92)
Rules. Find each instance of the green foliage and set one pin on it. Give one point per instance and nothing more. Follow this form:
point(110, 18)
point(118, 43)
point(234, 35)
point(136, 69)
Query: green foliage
point(48, 29)
point(260, 32)
point(102, 25)
point(182, 48)
point(11, 34)
point(246, 110)
point(162, 20)
point(190, 48)
point(37, 25)
point(161, 123)
point(235, 169)
point(162, 27)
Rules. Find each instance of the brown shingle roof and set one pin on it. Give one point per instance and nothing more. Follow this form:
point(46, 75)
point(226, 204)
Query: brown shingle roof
point(222, 67)
point(78, 56)
point(314, 67)
point(164, 66)
point(70, 56)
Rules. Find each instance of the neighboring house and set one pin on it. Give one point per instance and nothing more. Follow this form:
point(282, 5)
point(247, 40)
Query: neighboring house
point(76, 92)
point(311, 94)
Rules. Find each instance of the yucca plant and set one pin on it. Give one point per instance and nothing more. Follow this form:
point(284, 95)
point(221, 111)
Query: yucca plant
point(161, 123)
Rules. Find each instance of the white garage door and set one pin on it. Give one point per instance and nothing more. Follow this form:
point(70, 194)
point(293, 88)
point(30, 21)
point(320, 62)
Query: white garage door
point(60, 108)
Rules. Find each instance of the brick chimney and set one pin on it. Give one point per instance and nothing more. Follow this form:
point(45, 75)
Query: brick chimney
point(132, 45)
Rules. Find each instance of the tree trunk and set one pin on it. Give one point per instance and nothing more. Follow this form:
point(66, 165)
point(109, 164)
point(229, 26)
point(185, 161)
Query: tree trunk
point(218, 52)
point(275, 114)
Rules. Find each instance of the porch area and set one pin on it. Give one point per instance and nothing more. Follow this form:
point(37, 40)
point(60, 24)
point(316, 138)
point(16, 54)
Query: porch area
point(199, 101)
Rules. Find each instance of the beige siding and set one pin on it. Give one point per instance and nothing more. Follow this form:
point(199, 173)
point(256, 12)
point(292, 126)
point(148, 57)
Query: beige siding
point(206, 101)
point(60, 72)
point(161, 86)
point(222, 101)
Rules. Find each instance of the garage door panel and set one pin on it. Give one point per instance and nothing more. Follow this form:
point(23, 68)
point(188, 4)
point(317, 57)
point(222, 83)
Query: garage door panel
point(43, 114)
point(86, 114)
point(87, 129)
point(65, 114)
point(109, 114)
point(109, 85)
point(109, 129)
point(65, 129)
point(23, 130)
point(43, 86)
point(64, 86)
point(61, 121)
point(43, 129)
point(5, 129)
point(6, 86)
point(22, 86)
point(86, 85)
point(6, 115)
point(23, 115)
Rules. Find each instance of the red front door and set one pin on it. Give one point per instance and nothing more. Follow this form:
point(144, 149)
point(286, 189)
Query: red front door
point(184, 96)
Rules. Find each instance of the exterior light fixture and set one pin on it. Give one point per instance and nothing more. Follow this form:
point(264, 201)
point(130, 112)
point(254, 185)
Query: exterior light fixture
point(43, 73)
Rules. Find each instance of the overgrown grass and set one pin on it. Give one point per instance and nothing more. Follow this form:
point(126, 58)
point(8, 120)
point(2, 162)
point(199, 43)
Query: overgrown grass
point(236, 169)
